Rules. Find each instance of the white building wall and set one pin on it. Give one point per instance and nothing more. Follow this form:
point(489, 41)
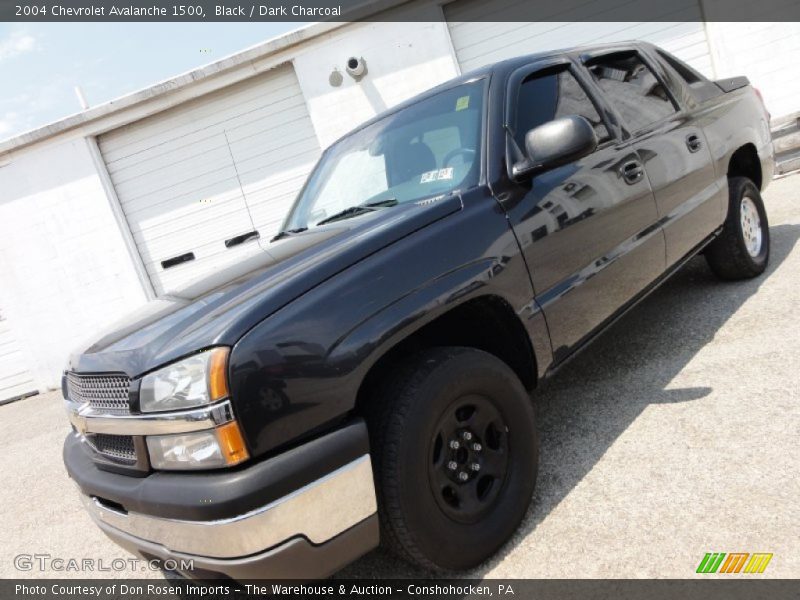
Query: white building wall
point(64, 270)
point(767, 53)
point(16, 378)
point(403, 59)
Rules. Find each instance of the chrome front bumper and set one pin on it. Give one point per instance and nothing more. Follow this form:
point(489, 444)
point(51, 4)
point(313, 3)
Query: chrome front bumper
point(318, 512)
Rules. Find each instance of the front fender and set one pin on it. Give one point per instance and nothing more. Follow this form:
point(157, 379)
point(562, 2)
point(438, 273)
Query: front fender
point(299, 371)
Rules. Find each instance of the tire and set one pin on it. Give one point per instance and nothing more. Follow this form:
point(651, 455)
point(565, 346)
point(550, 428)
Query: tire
point(742, 249)
point(428, 515)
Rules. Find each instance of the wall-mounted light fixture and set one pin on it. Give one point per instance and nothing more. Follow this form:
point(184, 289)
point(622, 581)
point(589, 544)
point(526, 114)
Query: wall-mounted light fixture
point(356, 67)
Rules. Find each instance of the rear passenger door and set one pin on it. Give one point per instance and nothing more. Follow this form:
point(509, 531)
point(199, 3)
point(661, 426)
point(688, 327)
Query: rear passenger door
point(670, 142)
point(588, 230)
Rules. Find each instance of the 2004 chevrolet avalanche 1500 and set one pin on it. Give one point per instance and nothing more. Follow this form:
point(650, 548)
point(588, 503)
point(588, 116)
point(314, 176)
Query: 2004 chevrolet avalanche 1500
point(368, 375)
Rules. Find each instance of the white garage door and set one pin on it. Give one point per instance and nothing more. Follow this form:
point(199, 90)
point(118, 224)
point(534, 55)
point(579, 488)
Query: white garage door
point(16, 378)
point(186, 177)
point(479, 42)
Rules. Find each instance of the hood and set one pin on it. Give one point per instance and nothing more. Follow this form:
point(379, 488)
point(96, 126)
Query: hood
point(220, 308)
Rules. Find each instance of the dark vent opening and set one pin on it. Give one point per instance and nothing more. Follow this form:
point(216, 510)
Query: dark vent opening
point(120, 447)
point(110, 504)
point(241, 239)
point(177, 260)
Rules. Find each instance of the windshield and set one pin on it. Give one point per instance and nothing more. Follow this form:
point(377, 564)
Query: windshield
point(429, 148)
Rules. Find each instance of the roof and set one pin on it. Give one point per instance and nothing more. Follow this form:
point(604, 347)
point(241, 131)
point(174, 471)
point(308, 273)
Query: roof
point(504, 67)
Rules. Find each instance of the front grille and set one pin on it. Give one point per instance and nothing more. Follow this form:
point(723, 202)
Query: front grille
point(118, 447)
point(104, 393)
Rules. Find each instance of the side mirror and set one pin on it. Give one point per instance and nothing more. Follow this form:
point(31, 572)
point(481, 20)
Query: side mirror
point(554, 144)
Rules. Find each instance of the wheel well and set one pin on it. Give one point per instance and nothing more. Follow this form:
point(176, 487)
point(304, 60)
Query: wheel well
point(745, 163)
point(487, 323)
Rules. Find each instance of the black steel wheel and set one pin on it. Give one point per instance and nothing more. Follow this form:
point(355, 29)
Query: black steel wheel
point(455, 453)
point(469, 458)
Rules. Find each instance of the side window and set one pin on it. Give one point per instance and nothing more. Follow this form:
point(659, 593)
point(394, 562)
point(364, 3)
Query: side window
point(686, 72)
point(632, 87)
point(549, 96)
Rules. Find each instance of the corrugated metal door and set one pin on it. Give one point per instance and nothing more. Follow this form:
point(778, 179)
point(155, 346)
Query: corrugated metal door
point(479, 42)
point(185, 177)
point(16, 379)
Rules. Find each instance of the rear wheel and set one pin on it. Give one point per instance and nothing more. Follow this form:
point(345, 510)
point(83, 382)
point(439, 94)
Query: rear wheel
point(455, 454)
point(742, 249)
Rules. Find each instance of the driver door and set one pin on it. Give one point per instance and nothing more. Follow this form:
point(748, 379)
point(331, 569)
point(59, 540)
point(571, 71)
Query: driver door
point(589, 229)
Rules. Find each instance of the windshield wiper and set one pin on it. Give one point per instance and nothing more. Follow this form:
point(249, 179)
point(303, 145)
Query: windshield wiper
point(381, 203)
point(287, 232)
point(358, 209)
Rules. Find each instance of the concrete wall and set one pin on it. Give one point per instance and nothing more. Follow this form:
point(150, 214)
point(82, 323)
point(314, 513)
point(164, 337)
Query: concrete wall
point(64, 268)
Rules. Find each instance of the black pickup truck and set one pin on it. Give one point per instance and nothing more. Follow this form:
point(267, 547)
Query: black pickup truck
point(368, 376)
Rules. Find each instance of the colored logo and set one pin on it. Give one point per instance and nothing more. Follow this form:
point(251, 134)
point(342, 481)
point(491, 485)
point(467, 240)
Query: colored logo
point(735, 562)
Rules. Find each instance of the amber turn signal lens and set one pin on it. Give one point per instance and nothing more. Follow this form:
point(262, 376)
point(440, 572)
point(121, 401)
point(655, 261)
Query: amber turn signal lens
point(217, 374)
point(231, 443)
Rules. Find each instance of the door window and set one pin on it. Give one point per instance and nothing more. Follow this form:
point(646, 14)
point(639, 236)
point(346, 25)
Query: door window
point(544, 97)
point(633, 89)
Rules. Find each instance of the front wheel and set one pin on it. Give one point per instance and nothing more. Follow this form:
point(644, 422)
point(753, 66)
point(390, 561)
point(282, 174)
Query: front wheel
point(742, 249)
point(455, 453)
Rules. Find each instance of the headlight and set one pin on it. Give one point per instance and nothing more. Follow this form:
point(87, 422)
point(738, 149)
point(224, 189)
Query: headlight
point(188, 383)
point(220, 447)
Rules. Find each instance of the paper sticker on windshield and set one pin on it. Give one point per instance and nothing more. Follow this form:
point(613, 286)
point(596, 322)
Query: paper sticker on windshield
point(462, 103)
point(436, 175)
point(429, 176)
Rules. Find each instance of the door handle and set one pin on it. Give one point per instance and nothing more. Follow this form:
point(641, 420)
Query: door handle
point(693, 142)
point(632, 171)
